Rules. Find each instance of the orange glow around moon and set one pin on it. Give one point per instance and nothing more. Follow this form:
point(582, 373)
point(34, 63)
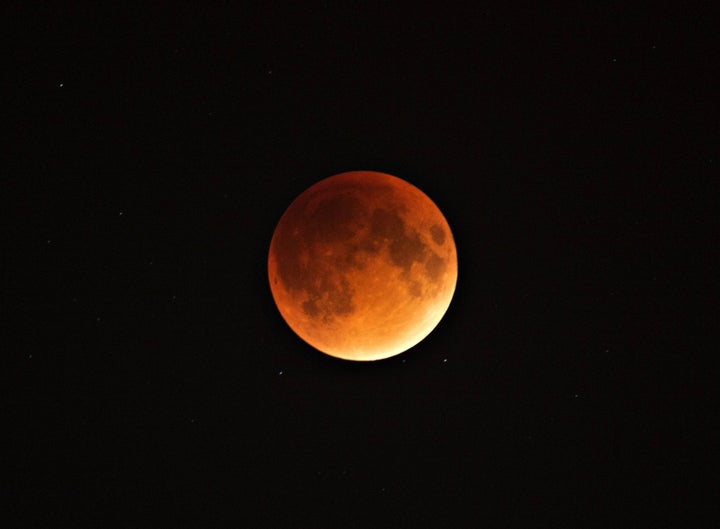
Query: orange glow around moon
point(362, 265)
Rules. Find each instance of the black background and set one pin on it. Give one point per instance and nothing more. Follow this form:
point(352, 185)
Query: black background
point(149, 153)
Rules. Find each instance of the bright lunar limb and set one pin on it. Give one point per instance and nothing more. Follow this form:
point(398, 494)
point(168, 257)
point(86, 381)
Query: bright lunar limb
point(362, 265)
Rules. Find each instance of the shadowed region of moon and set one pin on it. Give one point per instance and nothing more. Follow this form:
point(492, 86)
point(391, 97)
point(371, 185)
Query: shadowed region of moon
point(362, 265)
point(438, 234)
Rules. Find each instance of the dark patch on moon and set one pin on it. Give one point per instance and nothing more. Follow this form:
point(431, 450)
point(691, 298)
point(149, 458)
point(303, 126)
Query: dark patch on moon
point(335, 219)
point(293, 274)
point(333, 222)
point(434, 267)
point(340, 298)
point(385, 225)
point(302, 238)
point(414, 289)
point(328, 300)
point(310, 308)
point(437, 234)
point(407, 250)
point(348, 259)
point(404, 249)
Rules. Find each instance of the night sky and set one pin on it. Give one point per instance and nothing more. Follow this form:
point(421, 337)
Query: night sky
point(148, 154)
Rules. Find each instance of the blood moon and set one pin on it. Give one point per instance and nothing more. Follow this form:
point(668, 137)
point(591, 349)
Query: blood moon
point(362, 265)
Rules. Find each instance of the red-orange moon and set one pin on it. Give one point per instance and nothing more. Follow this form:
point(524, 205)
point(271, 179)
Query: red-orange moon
point(362, 265)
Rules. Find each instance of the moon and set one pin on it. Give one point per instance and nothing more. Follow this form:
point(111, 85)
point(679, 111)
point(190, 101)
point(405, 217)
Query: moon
point(362, 265)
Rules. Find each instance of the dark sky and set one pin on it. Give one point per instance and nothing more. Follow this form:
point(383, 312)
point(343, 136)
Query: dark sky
point(149, 153)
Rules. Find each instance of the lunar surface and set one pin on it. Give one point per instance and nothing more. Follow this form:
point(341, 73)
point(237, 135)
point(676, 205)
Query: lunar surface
point(362, 265)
